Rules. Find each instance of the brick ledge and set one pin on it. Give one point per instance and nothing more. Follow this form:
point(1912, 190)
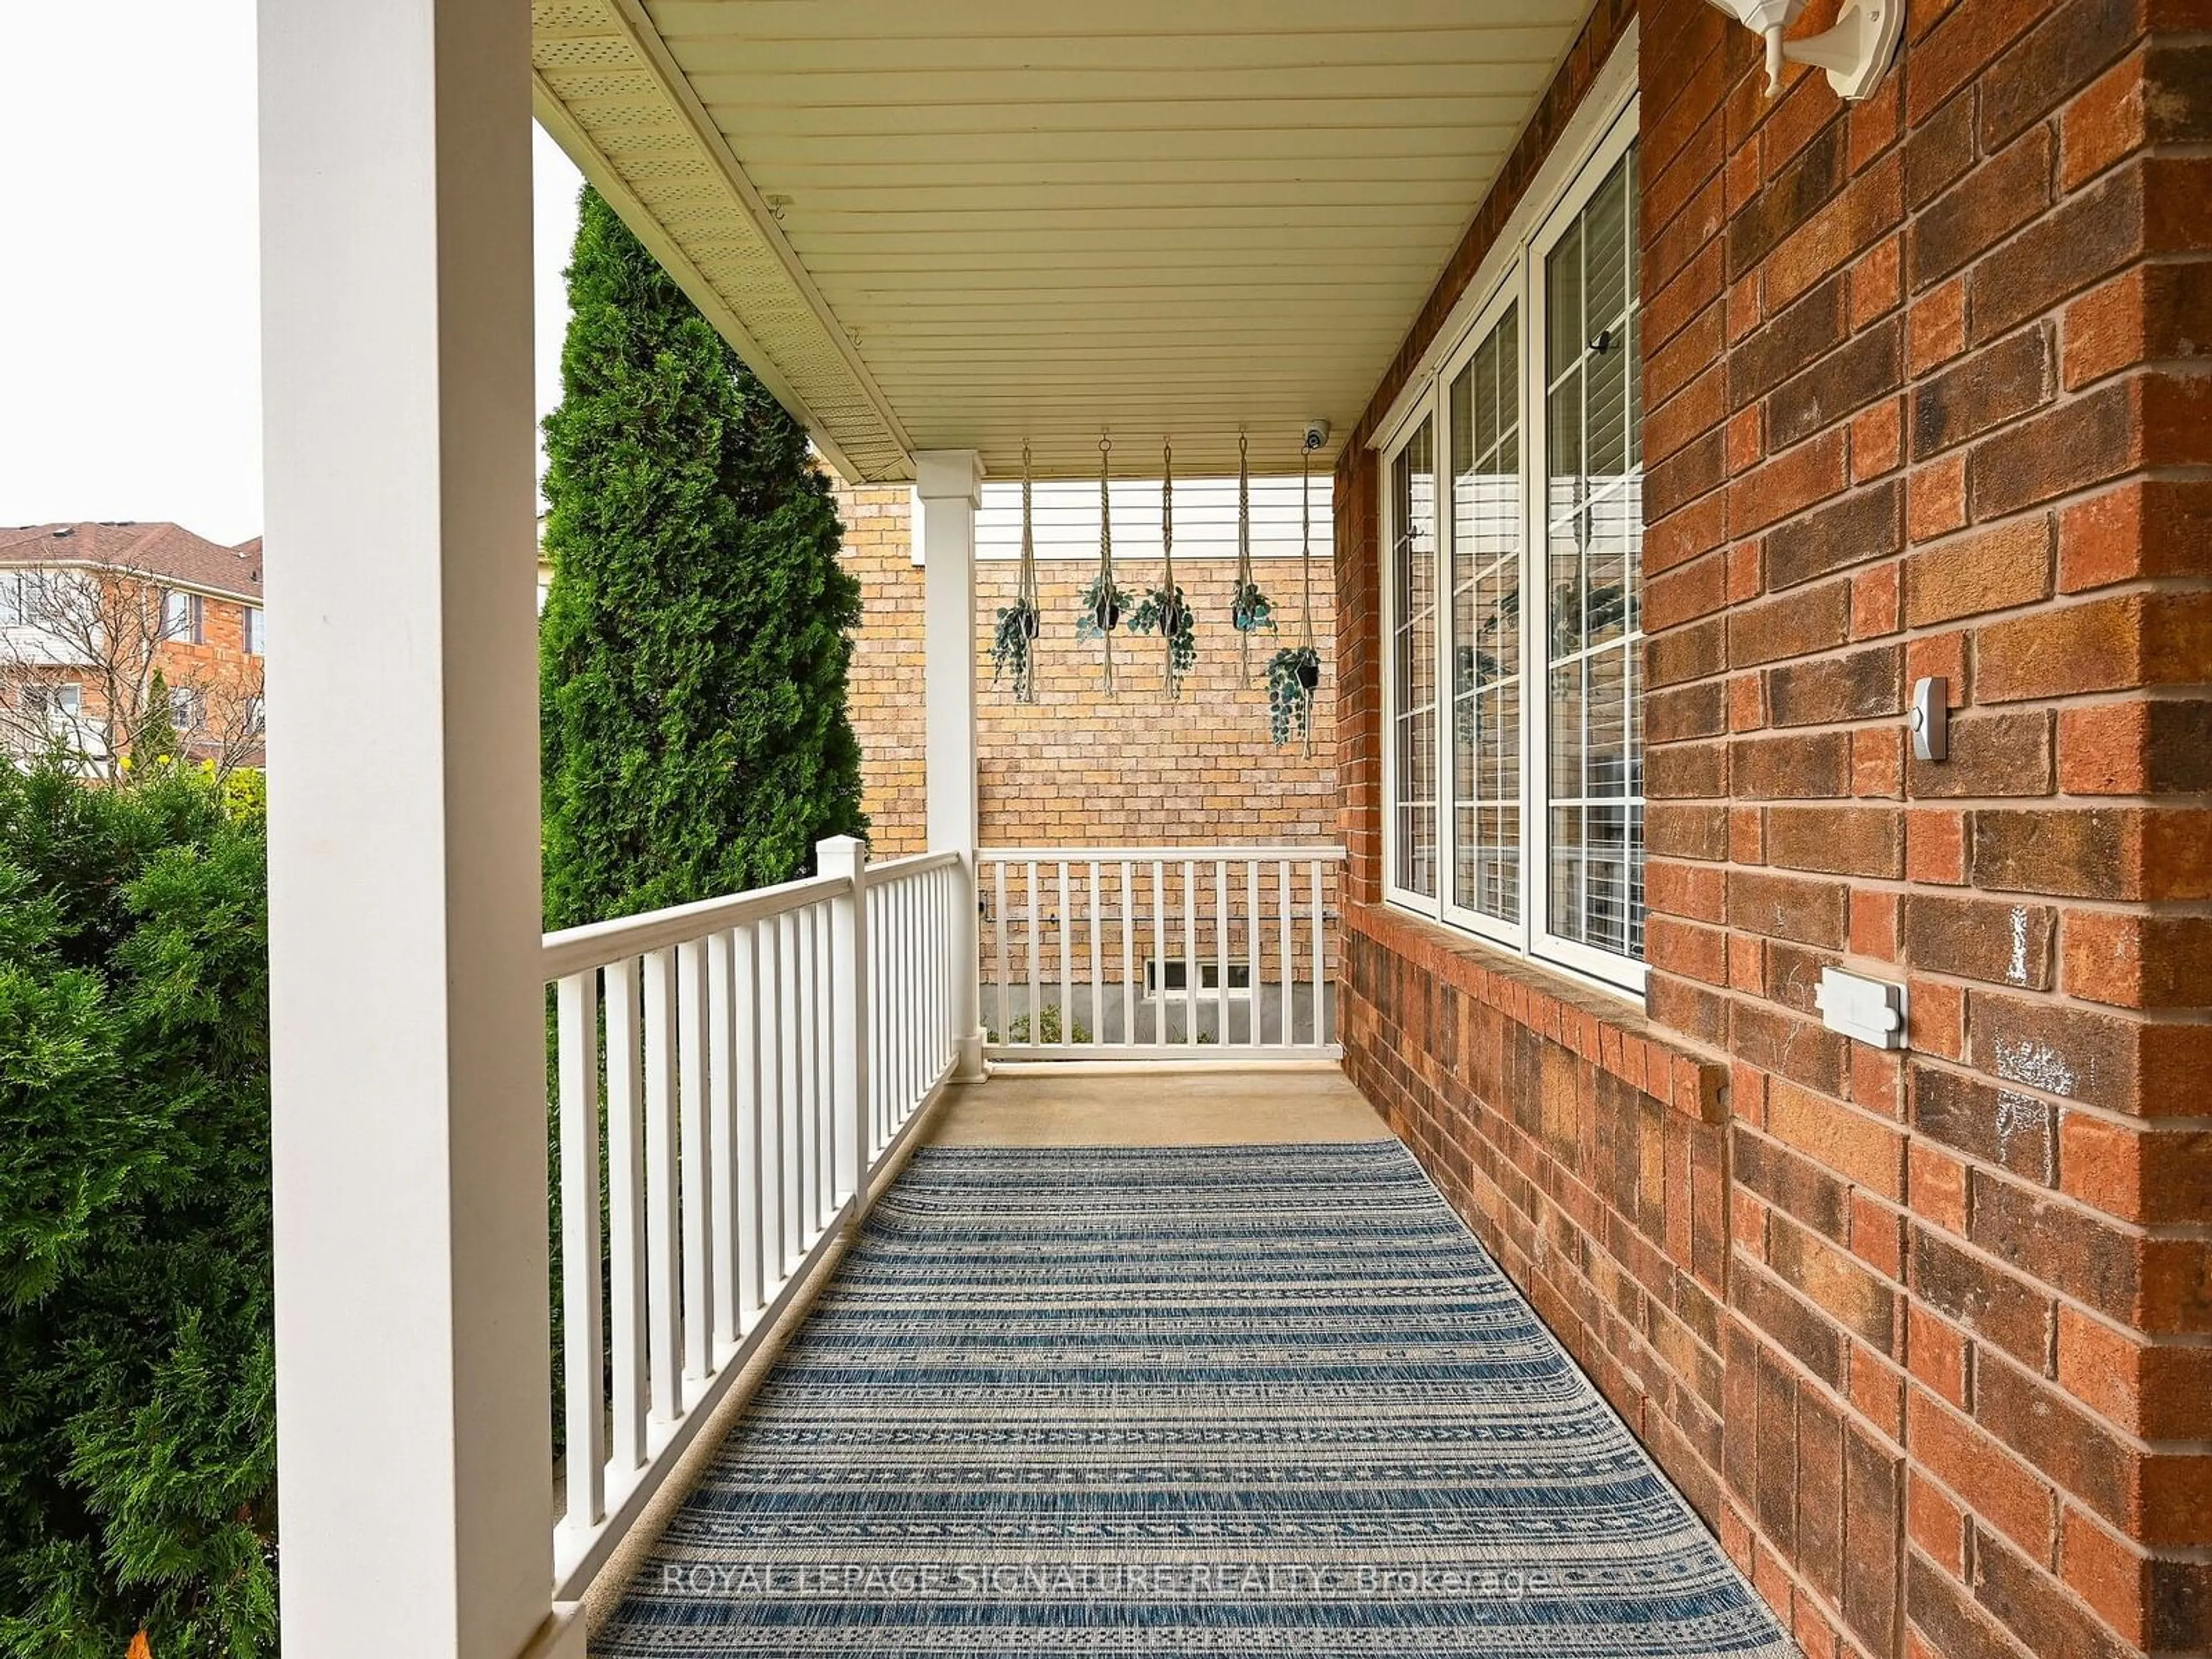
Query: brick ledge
point(1611, 1033)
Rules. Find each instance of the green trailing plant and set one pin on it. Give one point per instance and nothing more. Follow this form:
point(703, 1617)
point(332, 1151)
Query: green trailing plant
point(1250, 610)
point(694, 650)
point(1293, 676)
point(1014, 647)
point(1013, 641)
point(1165, 611)
point(1100, 609)
point(137, 1416)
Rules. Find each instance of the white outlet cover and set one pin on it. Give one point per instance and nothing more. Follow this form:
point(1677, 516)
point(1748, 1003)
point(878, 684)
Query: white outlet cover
point(1868, 1011)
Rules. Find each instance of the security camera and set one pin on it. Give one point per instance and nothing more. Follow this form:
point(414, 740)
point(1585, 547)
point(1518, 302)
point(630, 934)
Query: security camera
point(1316, 434)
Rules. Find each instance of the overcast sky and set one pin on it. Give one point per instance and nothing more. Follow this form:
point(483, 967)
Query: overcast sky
point(130, 354)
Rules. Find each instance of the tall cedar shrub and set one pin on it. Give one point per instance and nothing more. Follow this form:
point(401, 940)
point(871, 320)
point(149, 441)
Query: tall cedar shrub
point(138, 1419)
point(693, 648)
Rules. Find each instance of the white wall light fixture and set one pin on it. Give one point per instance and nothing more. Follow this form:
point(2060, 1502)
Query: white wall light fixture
point(1855, 52)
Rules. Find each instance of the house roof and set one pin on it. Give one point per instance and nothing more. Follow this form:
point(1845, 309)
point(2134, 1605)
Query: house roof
point(168, 551)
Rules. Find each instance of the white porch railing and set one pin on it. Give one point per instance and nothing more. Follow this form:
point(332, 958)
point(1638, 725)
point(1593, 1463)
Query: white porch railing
point(1137, 953)
point(748, 1063)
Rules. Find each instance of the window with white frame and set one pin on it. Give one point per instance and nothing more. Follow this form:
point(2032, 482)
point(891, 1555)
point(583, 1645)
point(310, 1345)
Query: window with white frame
point(184, 709)
point(181, 616)
point(11, 598)
point(257, 633)
point(53, 700)
point(1514, 755)
point(1413, 701)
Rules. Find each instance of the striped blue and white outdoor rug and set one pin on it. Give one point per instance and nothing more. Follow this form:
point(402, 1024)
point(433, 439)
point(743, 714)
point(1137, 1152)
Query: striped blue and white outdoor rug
point(1220, 1400)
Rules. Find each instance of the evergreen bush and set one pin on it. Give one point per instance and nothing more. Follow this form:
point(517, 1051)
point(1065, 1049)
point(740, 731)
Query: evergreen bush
point(694, 649)
point(137, 1423)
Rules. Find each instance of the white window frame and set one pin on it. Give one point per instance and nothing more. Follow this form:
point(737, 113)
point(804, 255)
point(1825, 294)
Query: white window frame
point(1393, 886)
point(257, 625)
point(1513, 276)
point(191, 627)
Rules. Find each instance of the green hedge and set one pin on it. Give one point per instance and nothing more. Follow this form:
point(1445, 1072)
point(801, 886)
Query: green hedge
point(138, 1421)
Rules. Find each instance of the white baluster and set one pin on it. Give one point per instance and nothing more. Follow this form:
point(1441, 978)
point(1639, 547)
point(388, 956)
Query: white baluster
point(698, 1168)
point(1190, 975)
point(833, 1129)
point(1128, 955)
point(1221, 946)
point(721, 1136)
point(999, 939)
point(809, 1098)
point(1320, 970)
point(790, 991)
point(626, 1310)
point(1159, 953)
point(1288, 941)
point(1036, 976)
point(772, 997)
point(581, 1358)
point(1252, 945)
point(1097, 976)
point(744, 1001)
point(663, 1314)
point(1067, 961)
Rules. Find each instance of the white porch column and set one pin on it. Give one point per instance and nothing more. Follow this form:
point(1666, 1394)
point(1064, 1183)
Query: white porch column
point(408, 1013)
point(949, 487)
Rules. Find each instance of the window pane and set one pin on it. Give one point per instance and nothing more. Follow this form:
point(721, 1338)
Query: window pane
point(1594, 554)
point(1413, 622)
point(1486, 618)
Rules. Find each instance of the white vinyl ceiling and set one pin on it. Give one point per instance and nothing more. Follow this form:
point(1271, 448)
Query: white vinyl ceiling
point(939, 224)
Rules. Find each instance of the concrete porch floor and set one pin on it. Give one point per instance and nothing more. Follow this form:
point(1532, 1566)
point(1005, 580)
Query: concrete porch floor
point(1227, 1108)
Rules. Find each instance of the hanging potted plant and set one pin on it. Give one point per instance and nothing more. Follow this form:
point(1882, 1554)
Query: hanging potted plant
point(1294, 673)
point(1250, 610)
point(1099, 610)
point(1103, 604)
point(1013, 641)
point(1013, 647)
point(1293, 676)
point(1164, 609)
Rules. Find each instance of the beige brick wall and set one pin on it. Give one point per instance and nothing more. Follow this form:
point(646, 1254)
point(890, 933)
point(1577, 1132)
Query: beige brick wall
point(1074, 769)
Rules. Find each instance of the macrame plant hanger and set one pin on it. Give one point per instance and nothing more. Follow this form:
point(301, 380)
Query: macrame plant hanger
point(1244, 582)
point(1170, 595)
point(1309, 672)
point(1025, 593)
point(1105, 610)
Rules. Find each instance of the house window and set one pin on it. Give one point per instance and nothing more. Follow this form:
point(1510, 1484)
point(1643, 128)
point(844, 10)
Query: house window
point(1486, 540)
point(185, 709)
point(1521, 784)
point(56, 701)
point(11, 599)
point(1171, 975)
point(256, 631)
point(1593, 543)
point(181, 617)
point(1414, 496)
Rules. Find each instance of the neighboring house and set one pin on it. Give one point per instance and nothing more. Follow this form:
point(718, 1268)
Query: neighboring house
point(90, 612)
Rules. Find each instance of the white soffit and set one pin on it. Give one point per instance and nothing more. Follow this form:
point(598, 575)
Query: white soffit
point(951, 224)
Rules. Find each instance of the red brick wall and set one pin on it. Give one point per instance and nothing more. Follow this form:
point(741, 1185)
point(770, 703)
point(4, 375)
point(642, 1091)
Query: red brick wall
point(1925, 396)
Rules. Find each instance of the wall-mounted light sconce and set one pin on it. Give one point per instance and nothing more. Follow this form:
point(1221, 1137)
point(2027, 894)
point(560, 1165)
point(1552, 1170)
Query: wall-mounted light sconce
point(1855, 52)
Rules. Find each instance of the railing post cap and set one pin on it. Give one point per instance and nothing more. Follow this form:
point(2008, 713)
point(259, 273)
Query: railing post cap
point(839, 855)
